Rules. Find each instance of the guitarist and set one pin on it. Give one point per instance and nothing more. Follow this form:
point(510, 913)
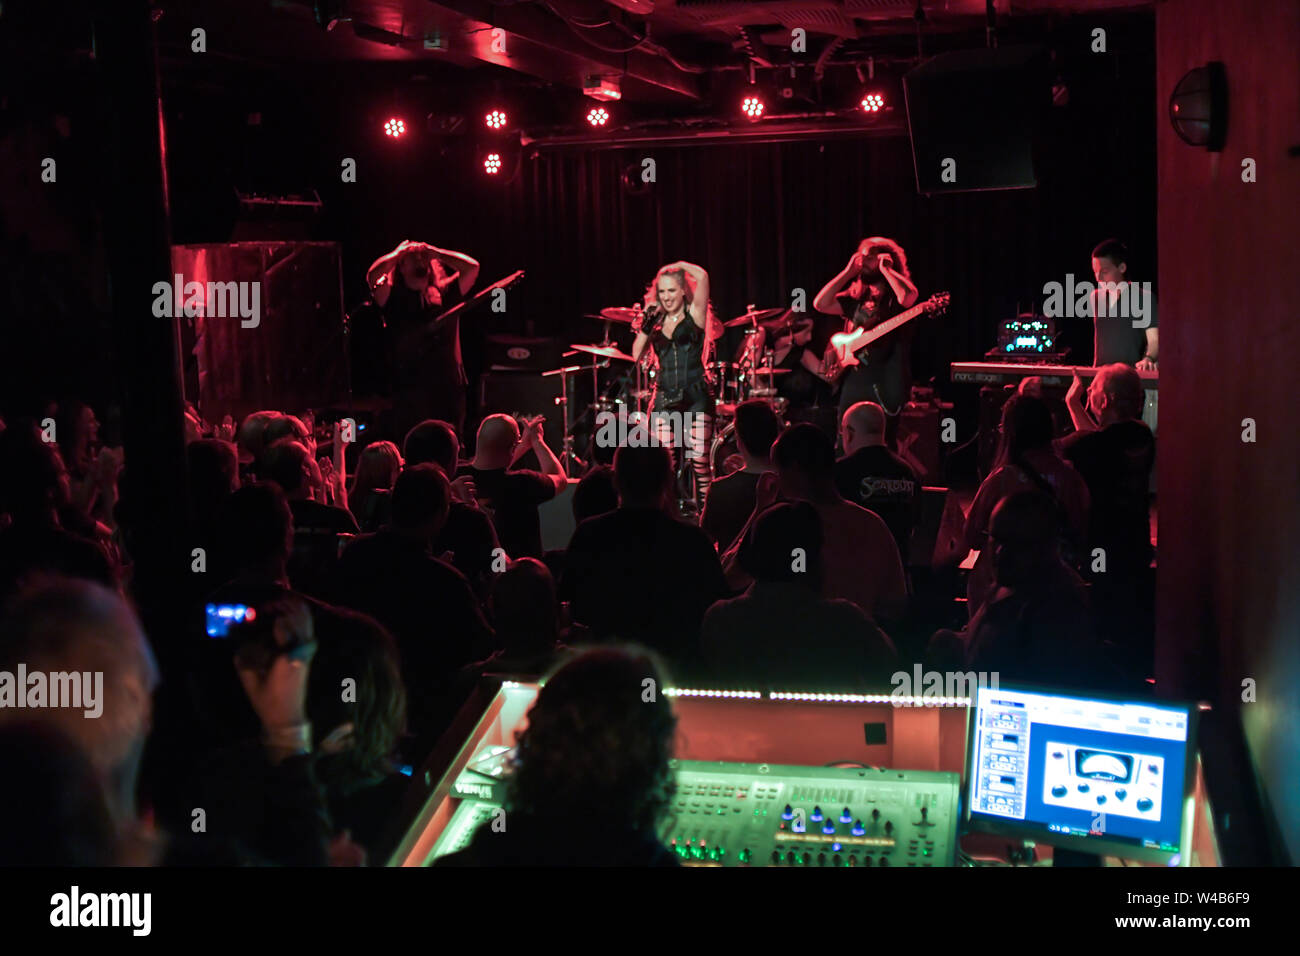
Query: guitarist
point(413, 285)
point(873, 287)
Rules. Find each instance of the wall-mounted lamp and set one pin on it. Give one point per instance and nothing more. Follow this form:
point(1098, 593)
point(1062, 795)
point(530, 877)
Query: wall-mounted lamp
point(1198, 108)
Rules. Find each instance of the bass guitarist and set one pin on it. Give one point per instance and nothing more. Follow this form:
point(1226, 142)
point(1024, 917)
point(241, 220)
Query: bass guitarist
point(874, 286)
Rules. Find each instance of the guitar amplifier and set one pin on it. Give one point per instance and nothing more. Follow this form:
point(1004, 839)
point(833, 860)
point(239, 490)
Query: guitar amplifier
point(924, 420)
point(521, 353)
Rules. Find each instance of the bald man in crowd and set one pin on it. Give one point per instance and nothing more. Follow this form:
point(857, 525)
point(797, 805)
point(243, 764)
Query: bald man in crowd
point(874, 477)
point(1114, 451)
point(511, 496)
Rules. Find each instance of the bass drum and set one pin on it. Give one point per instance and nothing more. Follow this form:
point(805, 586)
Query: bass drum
point(724, 453)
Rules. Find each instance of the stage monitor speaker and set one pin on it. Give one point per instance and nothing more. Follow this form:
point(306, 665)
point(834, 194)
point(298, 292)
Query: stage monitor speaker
point(973, 115)
point(557, 519)
point(524, 395)
point(292, 355)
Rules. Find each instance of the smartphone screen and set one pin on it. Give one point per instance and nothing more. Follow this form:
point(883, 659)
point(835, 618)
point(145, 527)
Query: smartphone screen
point(222, 616)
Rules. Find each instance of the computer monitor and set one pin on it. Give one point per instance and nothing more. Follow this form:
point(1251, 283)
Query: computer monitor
point(1091, 773)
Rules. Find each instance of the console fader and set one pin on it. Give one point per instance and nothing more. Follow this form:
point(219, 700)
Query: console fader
point(731, 814)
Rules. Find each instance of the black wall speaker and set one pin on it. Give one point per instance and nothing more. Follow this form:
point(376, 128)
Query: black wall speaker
point(973, 114)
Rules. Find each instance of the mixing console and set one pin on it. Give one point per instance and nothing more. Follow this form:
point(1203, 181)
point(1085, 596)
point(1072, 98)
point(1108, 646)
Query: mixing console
point(733, 814)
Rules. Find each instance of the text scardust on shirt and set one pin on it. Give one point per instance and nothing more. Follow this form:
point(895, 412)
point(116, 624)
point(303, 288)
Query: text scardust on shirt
point(880, 481)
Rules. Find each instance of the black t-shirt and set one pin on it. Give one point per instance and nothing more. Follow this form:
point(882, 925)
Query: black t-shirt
point(426, 605)
point(470, 537)
point(728, 506)
point(316, 518)
point(27, 549)
point(511, 498)
point(316, 528)
point(1114, 337)
point(880, 481)
point(749, 640)
point(1116, 463)
point(638, 575)
point(885, 372)
point(422, 355)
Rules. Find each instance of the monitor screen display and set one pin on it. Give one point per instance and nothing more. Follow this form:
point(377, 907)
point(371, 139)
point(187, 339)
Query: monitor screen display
point(1091, 773)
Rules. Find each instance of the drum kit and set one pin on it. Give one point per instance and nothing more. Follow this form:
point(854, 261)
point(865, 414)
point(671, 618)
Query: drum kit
point(632, 388)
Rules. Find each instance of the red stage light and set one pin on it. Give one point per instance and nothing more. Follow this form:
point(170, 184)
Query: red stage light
point(495, 120)
point(752, 107)
point(873, 102)
point(492, 164)
point(395, 127)
point(597, 116)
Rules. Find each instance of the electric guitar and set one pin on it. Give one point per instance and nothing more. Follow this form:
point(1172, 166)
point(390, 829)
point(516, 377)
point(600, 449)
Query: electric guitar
point(845, 347)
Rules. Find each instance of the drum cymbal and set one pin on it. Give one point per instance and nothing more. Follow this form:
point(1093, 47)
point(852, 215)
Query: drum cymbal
point(788, 319)
point(758, 315)
point(604, 351)
point(616, 314)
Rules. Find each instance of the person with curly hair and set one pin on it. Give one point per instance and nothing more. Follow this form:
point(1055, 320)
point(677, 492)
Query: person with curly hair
point(879, 286)
point(591, 779)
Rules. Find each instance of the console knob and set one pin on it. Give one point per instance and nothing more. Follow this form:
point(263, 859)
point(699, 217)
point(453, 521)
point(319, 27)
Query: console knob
point(846, 817)
point(836, 861)
point(816, 815)
point(1058, 791)
point(884, 861)
point(776, 856)
point(889, 826)
point(875, 814)
point(787, 813)
point(858, 828)
point(1145, 804)
point(807, 858)
point(821, 859)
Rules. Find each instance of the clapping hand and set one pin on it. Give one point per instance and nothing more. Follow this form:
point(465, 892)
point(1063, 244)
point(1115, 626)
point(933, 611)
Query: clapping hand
point(463, 490)
point(1075, 396)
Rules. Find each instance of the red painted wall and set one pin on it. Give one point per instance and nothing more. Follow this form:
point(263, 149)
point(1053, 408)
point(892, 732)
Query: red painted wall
point(1229, 579)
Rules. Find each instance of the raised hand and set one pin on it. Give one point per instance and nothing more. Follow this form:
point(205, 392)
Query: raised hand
point(1075, 396)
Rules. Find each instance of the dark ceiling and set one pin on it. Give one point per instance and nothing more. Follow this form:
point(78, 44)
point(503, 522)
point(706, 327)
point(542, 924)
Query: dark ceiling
point(663, 51)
